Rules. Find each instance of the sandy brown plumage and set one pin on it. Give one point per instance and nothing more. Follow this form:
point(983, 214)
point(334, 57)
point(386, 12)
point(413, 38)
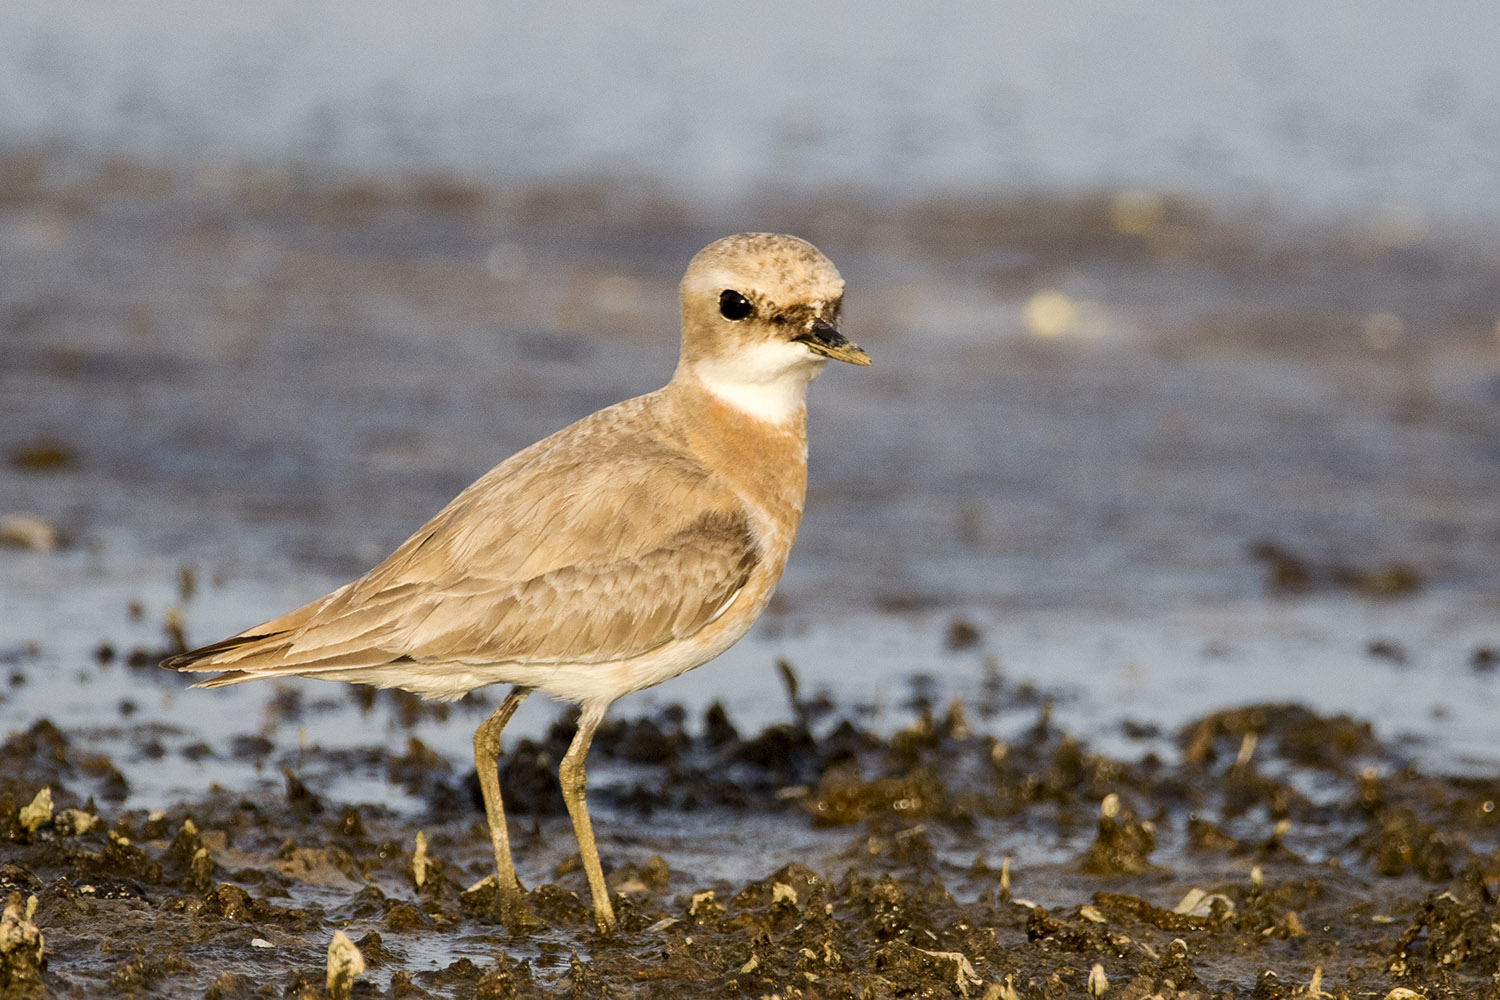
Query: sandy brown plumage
point(605, 541)
point(636, 544)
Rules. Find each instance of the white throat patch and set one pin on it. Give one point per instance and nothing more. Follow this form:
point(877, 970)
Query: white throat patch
point(767, 381)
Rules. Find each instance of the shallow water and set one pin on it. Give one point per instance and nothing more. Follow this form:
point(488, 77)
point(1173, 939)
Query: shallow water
point(266, 390)
point(1383, 104)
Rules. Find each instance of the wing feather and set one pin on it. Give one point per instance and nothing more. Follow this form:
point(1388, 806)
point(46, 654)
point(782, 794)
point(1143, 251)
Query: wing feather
point(628, 545)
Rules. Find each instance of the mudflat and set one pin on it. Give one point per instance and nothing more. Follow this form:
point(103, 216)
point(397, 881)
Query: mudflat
point(1140, 632)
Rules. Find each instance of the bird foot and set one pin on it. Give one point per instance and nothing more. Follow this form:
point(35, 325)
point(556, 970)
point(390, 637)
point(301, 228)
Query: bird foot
point(511, 905)
point(515, 911)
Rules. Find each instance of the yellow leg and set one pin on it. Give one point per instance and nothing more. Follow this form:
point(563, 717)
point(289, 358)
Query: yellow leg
point(572, 776)
point(486, 766)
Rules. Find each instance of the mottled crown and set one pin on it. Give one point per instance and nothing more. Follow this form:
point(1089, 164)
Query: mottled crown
point(784, 269)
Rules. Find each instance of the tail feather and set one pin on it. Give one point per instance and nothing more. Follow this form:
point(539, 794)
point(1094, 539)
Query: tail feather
point(270, 654)
point(216, 656)
point(226, 677)
point(193, 659)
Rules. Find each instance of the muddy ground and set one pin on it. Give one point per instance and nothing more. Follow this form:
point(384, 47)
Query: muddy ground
point(1276, 853)
point(1268, 445)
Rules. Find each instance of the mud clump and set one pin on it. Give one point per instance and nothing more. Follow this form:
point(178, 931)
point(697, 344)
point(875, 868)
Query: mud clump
point(1289, 572)
point(1123, 843)
point(22, 948)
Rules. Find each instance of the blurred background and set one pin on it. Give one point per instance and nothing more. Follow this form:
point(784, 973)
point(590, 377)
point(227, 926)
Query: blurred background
point(1185, 321)
point(1368, 107)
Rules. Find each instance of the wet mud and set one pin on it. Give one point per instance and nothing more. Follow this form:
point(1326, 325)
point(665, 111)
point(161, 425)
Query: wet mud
point(1277, 853)
point(1276, 443)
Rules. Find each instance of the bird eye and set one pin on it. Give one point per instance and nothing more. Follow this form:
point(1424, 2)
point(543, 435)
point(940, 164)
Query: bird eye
point(733, 305)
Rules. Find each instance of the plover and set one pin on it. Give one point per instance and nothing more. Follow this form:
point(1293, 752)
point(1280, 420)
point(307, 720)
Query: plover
point(634, 545)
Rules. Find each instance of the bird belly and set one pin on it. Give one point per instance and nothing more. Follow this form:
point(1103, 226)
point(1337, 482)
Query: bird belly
point(579, 683)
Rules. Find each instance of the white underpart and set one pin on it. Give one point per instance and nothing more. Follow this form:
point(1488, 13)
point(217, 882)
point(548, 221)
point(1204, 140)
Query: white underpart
point(767, 381)
point(580, 683)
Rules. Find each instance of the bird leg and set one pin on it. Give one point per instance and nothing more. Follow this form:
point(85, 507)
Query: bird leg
point(571, 774)
point(486, 766)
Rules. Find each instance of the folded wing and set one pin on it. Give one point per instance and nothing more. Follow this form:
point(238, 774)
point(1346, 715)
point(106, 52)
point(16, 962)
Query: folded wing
point(610, 556)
